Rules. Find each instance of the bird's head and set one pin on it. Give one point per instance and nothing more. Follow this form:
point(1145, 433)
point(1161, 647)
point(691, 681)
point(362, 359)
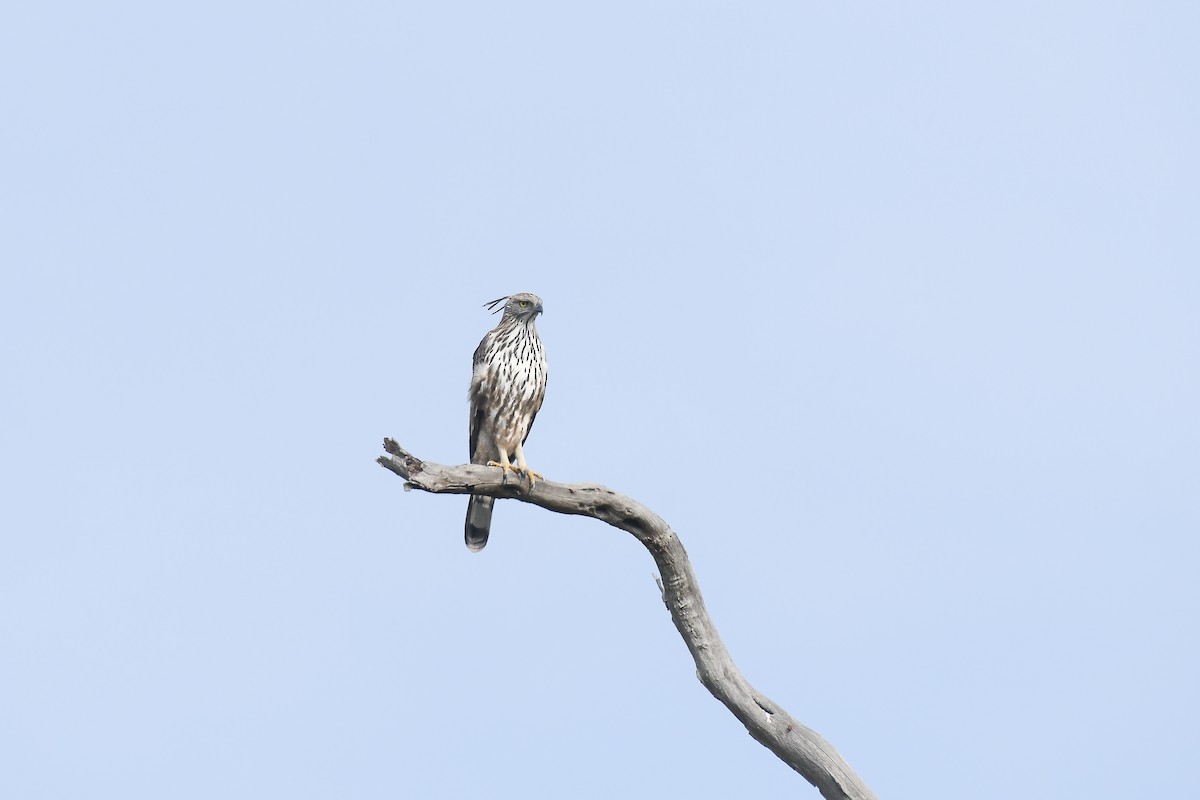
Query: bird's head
point(523, 306)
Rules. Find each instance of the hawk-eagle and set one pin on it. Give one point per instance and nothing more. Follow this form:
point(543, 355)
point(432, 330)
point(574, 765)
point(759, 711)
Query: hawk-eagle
point(507, 386)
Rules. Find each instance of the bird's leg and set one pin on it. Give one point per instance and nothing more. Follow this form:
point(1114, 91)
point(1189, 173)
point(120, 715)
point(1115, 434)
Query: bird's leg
point(503, 462)
point(523, 467)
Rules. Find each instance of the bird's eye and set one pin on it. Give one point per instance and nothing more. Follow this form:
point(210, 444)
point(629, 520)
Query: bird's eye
point(524, 303)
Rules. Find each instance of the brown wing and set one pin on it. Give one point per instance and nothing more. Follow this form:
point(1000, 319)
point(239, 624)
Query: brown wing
point(479, 396)
point(537, 406)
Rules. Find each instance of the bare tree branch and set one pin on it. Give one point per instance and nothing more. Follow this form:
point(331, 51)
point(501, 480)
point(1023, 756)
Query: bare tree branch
point(799, 747)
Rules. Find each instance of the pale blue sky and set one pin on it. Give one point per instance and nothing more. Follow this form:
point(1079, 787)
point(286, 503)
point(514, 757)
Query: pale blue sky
point(890, 310)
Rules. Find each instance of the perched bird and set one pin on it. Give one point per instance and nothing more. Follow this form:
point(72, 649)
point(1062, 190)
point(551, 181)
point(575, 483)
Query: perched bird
point(507, 386)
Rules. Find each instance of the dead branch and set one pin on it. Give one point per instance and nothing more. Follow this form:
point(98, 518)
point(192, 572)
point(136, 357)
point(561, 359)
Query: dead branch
point(799, 747)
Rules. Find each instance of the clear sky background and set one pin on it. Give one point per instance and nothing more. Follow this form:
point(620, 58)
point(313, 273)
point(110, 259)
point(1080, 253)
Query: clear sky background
point(889, 309)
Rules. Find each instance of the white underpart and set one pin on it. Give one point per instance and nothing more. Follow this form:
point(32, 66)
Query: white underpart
point(514, 376)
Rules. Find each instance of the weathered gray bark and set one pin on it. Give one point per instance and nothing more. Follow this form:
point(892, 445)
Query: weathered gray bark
point(799, 747)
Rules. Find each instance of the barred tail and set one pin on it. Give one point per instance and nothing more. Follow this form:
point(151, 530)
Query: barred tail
point(479, 522)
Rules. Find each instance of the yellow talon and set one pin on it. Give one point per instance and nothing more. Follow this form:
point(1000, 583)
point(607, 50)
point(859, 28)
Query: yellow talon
point(534, 477)
point(505, 465)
